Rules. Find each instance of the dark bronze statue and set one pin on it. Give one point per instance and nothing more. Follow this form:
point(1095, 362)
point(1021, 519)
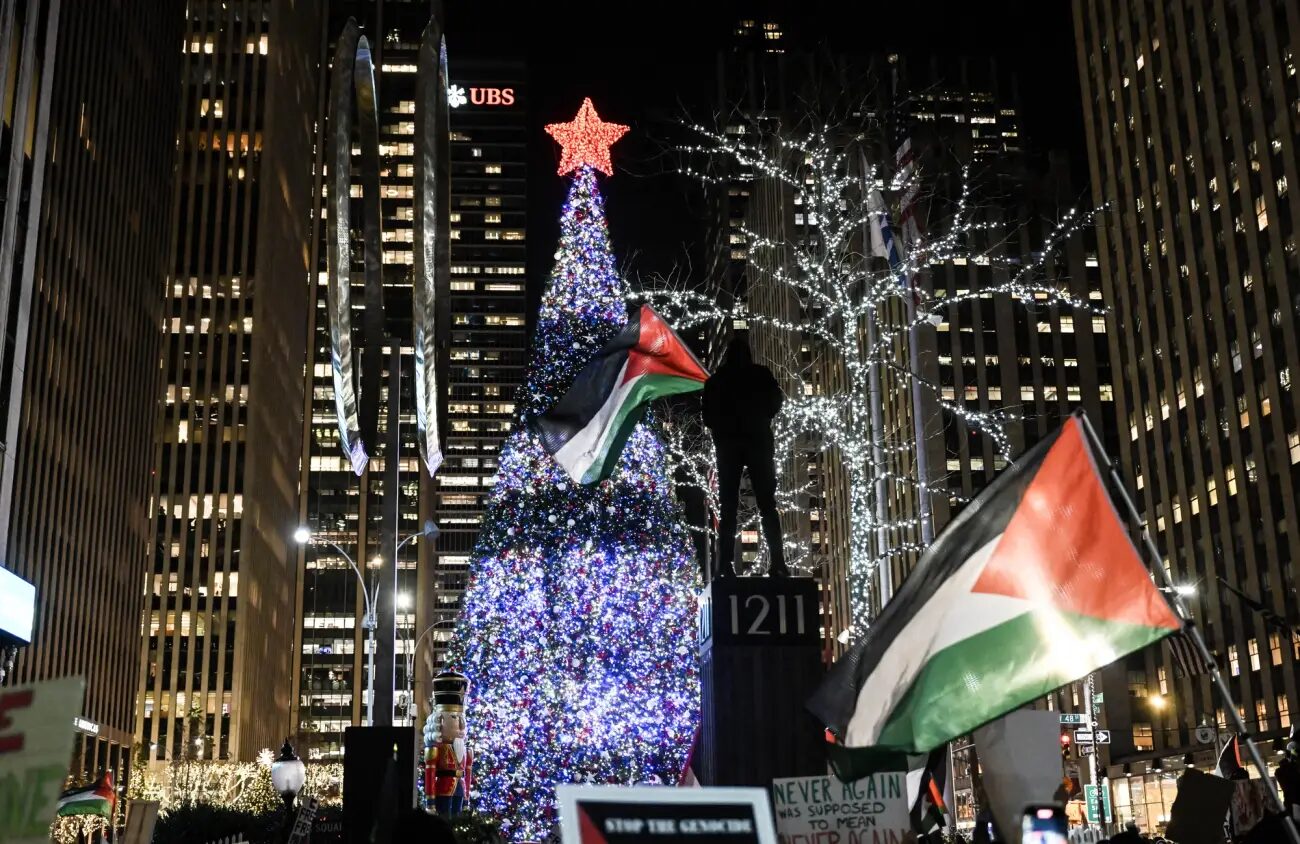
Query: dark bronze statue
point(740, 400)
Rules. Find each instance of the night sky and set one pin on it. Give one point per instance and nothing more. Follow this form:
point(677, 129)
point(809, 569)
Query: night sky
point(655, 67)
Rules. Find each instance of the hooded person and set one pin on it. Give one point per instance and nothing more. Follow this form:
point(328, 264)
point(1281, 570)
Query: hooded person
point(740, 400)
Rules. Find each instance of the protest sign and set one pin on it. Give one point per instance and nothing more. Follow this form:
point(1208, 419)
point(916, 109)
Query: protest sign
point(592, 814)
point(1200, 808)
point(823, 810)
point(35, 746)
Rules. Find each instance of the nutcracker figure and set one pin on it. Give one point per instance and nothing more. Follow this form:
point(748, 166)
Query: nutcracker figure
point(447, 760)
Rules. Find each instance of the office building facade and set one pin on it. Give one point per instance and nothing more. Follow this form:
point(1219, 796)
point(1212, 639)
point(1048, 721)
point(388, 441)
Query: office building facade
point(1191, 117)
point(215, 668)
point(87, 136)
point(486, 313)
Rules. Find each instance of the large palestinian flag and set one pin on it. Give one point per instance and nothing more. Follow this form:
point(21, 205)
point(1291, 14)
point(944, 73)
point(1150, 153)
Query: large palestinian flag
point(1035, 584)
point(587, 428)
point(97, 799)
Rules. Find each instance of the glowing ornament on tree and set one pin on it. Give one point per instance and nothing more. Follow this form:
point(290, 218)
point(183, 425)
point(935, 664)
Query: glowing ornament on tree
point(585, 141)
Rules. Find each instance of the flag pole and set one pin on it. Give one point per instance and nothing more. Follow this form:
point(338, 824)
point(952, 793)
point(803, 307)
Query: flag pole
point(1189, 626)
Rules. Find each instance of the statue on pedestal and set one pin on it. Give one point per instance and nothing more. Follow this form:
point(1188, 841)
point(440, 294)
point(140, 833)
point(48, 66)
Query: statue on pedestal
point(740, 400)
point(447, 760)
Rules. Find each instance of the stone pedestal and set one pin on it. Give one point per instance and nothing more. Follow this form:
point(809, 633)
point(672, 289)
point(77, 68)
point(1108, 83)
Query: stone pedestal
point(760, 659)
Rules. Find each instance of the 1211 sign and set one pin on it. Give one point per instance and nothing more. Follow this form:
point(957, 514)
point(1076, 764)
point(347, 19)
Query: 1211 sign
point(760, 611)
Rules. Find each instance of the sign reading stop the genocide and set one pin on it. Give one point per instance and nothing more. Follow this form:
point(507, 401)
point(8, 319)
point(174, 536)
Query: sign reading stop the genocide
point(35, 745)
point(823, 810)
point(635, 814)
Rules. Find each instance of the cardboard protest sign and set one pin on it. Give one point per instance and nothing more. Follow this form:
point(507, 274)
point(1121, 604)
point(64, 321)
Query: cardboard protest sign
point(36, 737)
point(1251, 803)
point(634, 814)
point(823, 810)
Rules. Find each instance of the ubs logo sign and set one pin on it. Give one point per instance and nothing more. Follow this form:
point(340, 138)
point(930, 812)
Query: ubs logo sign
point(480, 96)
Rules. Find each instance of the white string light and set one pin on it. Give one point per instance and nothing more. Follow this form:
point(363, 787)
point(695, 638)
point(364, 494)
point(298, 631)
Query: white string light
point(838, 288)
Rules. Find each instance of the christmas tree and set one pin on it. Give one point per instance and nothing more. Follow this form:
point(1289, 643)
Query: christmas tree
point(579, 622)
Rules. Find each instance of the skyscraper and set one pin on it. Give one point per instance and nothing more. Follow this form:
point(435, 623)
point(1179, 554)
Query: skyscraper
point(215, 670)
point(87, 133)
point(1190, 114)
point(485, 310)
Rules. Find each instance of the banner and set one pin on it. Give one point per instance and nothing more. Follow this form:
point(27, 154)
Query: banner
point(823, 810)
point(36, 737)
point(593, 814)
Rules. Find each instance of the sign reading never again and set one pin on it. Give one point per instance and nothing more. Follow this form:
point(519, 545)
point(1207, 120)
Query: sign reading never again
point(635, 814)
point(823, 810)
point(36, 736)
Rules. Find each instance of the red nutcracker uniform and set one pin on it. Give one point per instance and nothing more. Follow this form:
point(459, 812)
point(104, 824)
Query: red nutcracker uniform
point(447, 761)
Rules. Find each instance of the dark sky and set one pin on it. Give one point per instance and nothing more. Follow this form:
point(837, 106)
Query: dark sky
point(654, 66)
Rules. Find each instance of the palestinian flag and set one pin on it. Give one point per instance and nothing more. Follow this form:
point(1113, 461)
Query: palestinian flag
point(926, 776)
point(587, 428)
point(97, 799)
point(1229, 765)
point(1035, 584)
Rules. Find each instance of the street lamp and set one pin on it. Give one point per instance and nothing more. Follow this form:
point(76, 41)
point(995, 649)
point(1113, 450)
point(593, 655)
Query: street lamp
point(288, 774)
point(303, 536)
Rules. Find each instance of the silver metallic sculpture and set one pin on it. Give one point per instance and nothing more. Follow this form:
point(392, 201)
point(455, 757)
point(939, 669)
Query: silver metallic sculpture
point(356, 389)
point(432, 240)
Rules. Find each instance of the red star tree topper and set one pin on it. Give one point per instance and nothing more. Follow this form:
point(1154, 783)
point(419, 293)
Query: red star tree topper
point(586, 140)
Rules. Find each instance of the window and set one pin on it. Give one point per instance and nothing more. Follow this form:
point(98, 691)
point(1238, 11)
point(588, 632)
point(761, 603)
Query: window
point(1163, 677)
point(1261, 715)
point(1252, 648)
point(1143, 737)
point(1137, 683)
point(491, 168)
point(1275, 648)
point(1283, 712)
point(492, 218)
point(1234, 664)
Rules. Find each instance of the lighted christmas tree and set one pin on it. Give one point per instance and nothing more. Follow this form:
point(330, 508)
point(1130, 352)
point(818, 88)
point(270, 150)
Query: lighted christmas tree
point(579, 623)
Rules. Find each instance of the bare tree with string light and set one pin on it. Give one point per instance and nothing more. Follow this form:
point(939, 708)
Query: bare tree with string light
point(850, 313)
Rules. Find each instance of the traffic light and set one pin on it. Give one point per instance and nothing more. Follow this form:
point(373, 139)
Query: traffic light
point(1065, 745)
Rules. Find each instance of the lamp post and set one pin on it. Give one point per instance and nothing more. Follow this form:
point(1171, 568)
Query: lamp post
point(428, 530)
point(303, 536)
point(288, 774)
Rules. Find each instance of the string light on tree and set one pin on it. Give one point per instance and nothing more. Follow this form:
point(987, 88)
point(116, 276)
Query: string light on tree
point(837, 290)
point(578, 626)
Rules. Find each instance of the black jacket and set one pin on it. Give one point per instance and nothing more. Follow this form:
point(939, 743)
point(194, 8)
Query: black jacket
point(740, 400)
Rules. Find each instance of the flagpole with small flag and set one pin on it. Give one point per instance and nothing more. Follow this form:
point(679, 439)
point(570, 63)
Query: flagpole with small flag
point(1192, 632)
